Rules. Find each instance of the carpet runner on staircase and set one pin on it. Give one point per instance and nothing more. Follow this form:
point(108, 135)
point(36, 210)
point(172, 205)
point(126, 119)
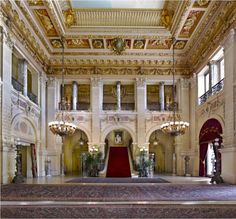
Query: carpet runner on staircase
point(118, 162)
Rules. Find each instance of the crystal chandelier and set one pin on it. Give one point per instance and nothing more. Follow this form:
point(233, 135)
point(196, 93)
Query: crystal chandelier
point(62, 126)
point(175, 126)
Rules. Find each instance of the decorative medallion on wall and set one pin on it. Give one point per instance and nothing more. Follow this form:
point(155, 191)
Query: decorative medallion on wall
point(56, 43)
point(180, 44)
point(69, 16)
point(139, 44)
point(118, 45)
point(98, 44)
point(201, 3)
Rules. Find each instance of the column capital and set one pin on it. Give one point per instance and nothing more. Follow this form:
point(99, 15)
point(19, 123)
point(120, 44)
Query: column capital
point(229, 39)
point(140, 82)
point(42, 78)
point(161, 83)
point(96, 81)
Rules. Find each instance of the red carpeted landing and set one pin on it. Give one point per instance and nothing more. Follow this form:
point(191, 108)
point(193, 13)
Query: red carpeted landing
point(118, 162)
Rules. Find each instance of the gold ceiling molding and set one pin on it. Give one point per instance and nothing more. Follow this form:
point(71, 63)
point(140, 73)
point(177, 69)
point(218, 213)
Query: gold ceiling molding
point(30, 21)
point(212, 36)
point(23, 34)
point(46, 22)
point(203, 26)
point(117, 17)
point(73, 62)
point(54, 16)
point(180, 15)
point(69, 17)
point(88, 71)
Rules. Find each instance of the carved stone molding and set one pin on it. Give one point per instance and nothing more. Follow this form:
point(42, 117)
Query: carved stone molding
point(117, 71)
point(140, 82)
point(96, 82)
point(184, 82)
point(51, 82)
point(230, 39)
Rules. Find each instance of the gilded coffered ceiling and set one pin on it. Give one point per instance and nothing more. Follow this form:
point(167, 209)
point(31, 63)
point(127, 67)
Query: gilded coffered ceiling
point(90, 29)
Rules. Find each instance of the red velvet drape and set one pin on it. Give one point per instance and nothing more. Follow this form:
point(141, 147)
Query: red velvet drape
point(210, 130)
point(203, 152)
point(34, 160)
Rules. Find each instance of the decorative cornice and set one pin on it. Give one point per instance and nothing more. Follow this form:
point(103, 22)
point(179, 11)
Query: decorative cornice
point(23, 34)
point(104, 61)
point(215, 29)
point(117, 71)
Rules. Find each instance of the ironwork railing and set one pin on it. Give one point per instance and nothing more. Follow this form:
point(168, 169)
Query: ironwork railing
point(154, 106)
point(33, 97)
point(17, 85)
point(215, 89)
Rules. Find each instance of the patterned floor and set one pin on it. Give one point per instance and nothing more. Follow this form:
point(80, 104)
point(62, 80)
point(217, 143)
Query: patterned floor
point(119, 200)
point(120, 211)
point(116, 180)
point(109, 192)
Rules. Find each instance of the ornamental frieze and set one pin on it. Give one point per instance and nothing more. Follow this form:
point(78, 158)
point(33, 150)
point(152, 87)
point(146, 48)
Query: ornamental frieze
point(118, 71)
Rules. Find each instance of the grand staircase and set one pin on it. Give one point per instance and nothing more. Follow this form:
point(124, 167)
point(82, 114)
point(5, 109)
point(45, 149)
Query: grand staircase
point(118, 162)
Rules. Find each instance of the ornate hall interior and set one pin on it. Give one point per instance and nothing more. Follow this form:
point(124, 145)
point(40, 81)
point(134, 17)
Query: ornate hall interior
point(118, 104)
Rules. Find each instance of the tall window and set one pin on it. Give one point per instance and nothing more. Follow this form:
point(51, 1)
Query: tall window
point(210, 79)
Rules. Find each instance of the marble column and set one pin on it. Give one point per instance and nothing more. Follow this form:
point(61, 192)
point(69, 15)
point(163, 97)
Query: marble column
point(229, 131)
point(211, 71)
point(74, 95)
point(162, 96)
point(25, 77)
point(118, 87)
point(96, 105)
point(43, 125)
point(141, 104)
point(7, 167)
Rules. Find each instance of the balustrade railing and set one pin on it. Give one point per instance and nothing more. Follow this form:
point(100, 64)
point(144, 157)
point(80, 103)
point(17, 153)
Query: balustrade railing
point(33, 97)
point(17, 85)
point(215, 89)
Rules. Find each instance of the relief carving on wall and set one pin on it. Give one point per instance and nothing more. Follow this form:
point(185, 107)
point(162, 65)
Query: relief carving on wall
point(191, 23)
point(69, 16)
point(211, 107)
point(45, 20)
point(166, 18)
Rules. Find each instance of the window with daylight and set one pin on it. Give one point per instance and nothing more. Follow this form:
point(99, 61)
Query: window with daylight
point(211, 77)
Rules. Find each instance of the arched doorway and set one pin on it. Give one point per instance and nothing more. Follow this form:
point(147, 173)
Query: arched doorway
point(118, 153)
point(74, 147)
point(24, 132)
point(210, 131)
point(160, 146)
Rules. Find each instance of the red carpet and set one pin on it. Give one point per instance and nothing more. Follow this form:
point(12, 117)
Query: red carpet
point(118, 162)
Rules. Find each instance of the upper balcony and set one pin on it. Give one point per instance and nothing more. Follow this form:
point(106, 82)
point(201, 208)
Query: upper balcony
point(215, 89)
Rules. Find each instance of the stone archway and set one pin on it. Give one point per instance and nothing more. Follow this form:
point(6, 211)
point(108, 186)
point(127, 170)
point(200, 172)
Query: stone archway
point(118, 153)
point(74, 147)
point(162, 151)
point(24, 131)
point(210, 130)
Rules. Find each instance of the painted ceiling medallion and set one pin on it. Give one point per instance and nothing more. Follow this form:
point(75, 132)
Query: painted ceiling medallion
point(118, 45)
